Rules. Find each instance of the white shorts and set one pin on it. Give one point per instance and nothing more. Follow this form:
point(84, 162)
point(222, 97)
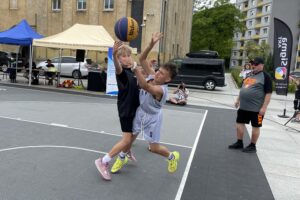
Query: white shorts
point(147, 124)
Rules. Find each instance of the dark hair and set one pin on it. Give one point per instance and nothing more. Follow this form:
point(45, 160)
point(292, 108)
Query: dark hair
point(171, 68)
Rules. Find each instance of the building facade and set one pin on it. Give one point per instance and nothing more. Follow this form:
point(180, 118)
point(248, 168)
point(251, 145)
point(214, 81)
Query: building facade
point(260, 26)
point(49, 17)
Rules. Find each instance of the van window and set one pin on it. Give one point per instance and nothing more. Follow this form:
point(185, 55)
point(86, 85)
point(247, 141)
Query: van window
point(200, 68)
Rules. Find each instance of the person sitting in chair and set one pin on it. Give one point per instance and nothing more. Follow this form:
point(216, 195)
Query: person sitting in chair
point(51, 72)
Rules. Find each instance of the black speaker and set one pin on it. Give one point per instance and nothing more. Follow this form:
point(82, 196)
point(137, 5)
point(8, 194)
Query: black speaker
point(80, 55)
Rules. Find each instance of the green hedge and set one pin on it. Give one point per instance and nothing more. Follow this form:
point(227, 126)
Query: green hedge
point(235, 72)
point(238, 80)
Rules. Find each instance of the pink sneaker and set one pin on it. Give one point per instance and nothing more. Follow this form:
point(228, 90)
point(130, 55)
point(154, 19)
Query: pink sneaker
point(131, 157)
point(103, 169)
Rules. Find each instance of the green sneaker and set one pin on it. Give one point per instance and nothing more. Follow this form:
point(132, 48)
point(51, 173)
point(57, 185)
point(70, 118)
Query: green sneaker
point(119, 163)
point(172, 166)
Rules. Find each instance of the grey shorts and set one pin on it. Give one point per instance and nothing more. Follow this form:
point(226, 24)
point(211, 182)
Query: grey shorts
point(147, 124)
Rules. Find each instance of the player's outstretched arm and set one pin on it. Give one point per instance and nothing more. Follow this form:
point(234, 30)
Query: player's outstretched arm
point(155, 90)
point(143, 57)
point(115, 58)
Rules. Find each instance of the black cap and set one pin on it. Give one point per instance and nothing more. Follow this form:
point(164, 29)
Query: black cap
point(257, 60)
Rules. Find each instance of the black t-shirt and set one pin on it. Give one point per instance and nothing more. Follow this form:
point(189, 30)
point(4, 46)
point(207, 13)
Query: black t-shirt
point(128, 95)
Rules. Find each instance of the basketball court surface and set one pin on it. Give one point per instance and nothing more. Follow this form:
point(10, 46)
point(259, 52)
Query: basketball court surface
point(49, 141)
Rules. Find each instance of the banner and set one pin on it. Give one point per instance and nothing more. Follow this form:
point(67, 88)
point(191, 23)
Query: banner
point(283, 42)
point(111, 82)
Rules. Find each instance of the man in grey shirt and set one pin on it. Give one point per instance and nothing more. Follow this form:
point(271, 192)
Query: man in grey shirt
point(252, 102)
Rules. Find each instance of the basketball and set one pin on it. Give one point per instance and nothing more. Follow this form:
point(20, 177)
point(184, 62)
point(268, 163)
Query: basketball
point(126, 29)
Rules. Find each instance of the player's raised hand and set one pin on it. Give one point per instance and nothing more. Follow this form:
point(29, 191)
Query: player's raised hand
point(156, 37)
point(117, 45)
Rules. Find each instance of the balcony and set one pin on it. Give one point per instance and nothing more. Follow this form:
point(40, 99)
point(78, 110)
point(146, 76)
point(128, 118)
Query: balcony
point(245, 9)
point(261, 3)
point(255, 37)
point(259, 14)
point(258, 25)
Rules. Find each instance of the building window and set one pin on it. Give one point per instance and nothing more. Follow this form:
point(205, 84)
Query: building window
point(108, 4)
point(234, 53)
point(266, 19)
point(250, 23)
point(236, 35)
point(233, 63)
point(81, 4)
point(265, 31)
point(249, 33)
point(267, 8)
point(253, 2)
point(56, 5)
point(13, 4)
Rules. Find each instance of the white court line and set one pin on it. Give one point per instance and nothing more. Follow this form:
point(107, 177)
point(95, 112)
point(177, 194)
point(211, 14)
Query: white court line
point(86, 130)
point(59, 125)
point(51, 146)
point(189, 163)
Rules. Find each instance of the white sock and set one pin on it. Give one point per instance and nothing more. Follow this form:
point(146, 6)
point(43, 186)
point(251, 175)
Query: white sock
point(122, 155)
point(106, 159)
point(171, 156)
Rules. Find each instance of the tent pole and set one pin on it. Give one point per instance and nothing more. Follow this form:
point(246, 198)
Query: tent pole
point(59, 68)
point(30, 64)
point(17, 60)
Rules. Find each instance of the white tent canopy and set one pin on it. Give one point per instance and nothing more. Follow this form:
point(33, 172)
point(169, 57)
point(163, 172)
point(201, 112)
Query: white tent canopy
point(79, 36)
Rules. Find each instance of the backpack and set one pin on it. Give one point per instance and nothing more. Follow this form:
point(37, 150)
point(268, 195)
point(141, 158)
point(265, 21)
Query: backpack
point(68, 84)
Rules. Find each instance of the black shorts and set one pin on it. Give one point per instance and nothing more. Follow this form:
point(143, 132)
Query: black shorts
point(126, 124)
point(244, 117)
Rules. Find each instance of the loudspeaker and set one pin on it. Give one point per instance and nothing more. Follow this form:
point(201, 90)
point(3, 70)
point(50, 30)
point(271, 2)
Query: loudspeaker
point(80, 55)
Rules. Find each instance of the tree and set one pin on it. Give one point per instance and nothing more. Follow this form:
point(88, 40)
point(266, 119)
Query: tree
point(214, 28)
point(253, 50)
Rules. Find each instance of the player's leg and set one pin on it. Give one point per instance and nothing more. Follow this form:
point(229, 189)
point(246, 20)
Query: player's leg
point(102, 164)
point(172, 157)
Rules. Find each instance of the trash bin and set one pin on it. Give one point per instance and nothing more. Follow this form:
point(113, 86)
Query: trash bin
point(95, 82)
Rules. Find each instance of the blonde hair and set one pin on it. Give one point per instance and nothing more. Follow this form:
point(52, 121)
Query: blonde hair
point(124, 49)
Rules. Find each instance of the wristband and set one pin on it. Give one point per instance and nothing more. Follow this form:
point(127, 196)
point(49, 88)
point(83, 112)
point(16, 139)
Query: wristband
point(134, 66)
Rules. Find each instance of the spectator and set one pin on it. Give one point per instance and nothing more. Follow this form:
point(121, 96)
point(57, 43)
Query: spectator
point(51, 72)
point(246, 71)
point(253, 100)
point(297, 99)
point(181, 95)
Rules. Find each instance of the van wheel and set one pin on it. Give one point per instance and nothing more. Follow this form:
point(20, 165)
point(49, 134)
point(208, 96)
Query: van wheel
point(76, 74)
point(210, 85)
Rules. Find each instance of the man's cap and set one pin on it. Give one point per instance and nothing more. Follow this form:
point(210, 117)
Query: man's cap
point(257, 60)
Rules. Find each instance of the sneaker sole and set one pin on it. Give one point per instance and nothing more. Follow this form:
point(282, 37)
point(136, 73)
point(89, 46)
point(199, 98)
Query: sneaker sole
point(107, 179)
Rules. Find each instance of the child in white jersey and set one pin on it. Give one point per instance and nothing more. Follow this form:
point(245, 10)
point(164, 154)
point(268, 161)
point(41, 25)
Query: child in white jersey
point(153, 94)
